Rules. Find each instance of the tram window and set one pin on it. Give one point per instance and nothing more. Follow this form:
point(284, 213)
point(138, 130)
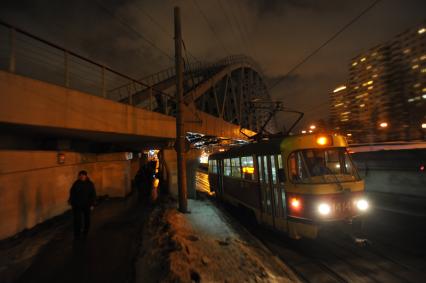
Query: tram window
point(321, 166)
point(248, 167)
point(259, 165)
point(273, 170)
point(235, 167)
point(227, 167)
point(280, 170)
point(297, 170)
point(265, 169)
point(214, 166)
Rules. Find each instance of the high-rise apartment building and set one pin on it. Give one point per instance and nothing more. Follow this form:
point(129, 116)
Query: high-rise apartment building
point(384, 98)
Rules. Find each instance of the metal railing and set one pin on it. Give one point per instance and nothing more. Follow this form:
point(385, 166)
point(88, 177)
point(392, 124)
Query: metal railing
point(195, 68)
point(29, 55)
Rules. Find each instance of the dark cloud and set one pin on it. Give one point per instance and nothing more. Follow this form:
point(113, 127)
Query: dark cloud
point(277, 33)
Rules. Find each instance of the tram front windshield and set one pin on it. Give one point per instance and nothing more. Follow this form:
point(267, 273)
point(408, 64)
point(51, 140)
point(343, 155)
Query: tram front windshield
point(328, 165)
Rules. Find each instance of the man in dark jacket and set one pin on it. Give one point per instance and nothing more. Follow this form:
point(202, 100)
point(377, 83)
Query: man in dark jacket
point(82, 199)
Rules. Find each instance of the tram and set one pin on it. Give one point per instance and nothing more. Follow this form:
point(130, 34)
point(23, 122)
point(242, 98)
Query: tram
point(294, 184)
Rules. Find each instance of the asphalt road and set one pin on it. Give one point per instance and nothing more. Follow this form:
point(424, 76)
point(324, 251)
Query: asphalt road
point(396, 251)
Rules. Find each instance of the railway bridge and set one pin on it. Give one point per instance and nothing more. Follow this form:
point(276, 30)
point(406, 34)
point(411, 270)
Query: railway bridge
point(61, 112)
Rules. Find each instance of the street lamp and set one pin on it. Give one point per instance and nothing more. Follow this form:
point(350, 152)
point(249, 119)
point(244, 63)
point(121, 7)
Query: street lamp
point(303, 132)
point(312, 127)
point(383, 125)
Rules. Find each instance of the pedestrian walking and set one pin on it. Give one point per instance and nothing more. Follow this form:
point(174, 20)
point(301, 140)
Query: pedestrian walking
point(82, 199)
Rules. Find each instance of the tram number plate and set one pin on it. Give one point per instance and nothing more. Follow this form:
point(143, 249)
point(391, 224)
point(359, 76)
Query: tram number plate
point(342, 207)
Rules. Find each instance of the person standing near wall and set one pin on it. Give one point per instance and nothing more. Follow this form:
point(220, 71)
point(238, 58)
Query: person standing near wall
point(82, 199)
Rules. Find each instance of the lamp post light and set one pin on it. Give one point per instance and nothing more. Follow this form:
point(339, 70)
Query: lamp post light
point(383, 125)
point(312, 127)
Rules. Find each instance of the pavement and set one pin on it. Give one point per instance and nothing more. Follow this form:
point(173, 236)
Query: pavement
point(48, 253)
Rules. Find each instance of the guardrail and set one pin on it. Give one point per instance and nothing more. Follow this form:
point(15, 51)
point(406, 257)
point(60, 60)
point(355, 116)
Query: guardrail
point(29, 55)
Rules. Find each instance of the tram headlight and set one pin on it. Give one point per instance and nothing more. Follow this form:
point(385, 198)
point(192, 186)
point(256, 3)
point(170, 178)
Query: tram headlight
point(362, 204)
point(324, 209)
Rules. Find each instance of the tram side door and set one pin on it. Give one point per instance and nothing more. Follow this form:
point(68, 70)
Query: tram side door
point(275, 186)
point(220, 177)
point(265, 186)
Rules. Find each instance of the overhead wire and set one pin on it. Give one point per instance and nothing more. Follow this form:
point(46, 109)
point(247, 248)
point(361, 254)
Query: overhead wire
point(128, 26)
point(212, 29)
point(162, 28)
point(231, 25)
point(245, 41)
point(315, 51)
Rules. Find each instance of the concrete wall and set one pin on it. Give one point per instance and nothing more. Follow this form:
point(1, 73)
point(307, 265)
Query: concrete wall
point(393, 171)
point(34, 187)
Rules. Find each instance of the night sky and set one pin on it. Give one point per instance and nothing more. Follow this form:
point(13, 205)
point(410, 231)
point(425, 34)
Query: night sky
point(277, 34)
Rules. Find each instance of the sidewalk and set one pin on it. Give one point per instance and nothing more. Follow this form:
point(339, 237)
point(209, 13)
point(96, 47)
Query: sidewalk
point(204, 246)
point(49, 254)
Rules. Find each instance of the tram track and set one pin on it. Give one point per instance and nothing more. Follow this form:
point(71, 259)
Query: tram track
point(334, 257)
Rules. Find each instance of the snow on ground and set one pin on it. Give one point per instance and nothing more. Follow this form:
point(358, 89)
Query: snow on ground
point(203, 246)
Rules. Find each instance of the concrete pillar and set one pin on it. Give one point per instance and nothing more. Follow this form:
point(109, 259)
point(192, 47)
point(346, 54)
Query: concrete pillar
point(192, 163)
point(170, 160)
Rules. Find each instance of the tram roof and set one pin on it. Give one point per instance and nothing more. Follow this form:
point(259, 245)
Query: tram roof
point(274, 145)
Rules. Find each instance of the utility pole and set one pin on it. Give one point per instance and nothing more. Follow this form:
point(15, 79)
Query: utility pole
point(180, 130)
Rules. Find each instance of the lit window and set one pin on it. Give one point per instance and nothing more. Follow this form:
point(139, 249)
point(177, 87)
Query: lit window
point(345, 113)
point(374, 54)
point(357, 87)
point(368, 67)
point(424, 96)
point(349, 135)
point(423, 70)
point(375, 76)
point(415, 66)
point(422, 30)
point(370, 87)
point(339, 104)
point(361, 105)
point(423, 57)
point(354, 64)
point(424, 126)
point(383, 125)
point(407, 50)
point(410, 100)
point(339, 88)
point(424, 89)
point(344, 120)
point(363, 59)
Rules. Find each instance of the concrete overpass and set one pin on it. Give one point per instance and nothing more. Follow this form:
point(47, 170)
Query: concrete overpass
point(61, 112)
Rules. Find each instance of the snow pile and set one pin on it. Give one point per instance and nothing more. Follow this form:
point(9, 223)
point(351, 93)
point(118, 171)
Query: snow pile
point(203, 247)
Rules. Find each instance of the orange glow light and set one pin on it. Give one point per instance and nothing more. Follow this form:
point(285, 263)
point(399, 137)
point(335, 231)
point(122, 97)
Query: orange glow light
point(249, 170)
point(322, 140)
point(295, 203)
